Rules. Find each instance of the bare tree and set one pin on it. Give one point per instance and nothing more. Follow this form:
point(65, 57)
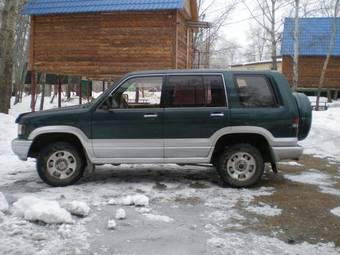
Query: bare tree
point(296, 46)
point(205, 38)
point(266, 15)
point(257, 48)
point(329, 53)
point(7, 39)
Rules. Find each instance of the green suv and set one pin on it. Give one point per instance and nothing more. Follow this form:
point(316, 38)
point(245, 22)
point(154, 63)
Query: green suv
point(236, 121)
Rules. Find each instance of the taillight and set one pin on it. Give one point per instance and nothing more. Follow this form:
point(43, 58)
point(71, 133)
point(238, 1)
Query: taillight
point(295, 126)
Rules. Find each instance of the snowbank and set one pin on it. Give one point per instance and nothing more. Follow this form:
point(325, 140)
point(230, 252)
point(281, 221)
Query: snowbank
point(324, 139)
point(77, 208)
point(3, 203)
point(34, 209)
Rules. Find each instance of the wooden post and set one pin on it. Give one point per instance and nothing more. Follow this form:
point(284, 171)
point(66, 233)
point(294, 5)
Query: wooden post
point(33, 89)
point(88, 90)
point(103, 86)
point(80, 92)
point(59, 92)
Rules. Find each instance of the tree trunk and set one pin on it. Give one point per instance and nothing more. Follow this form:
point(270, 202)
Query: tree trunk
point(273, 37)
point(43, 86)
point(7, 39)
point(68, 89)
point(330, 50)
point(296, 47)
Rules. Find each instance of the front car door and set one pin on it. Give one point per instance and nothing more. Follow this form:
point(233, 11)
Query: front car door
point(127, 127)
point(195, 109)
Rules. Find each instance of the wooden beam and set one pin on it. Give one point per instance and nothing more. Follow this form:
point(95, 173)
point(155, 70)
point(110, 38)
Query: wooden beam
point(59, 92)
point(80, 92)
point(33, 89)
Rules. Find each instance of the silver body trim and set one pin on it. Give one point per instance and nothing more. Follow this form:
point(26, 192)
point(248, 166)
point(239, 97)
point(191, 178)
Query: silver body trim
point(178, 150)
point(21, 148)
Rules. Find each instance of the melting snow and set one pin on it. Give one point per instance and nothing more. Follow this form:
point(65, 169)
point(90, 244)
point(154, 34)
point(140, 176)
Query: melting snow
point(35, 209)
point(120, 214)
point(264, 209)
point(3, 203)
point(156, 217)
point(336, 211)
point(111, 224)
point(77, 208)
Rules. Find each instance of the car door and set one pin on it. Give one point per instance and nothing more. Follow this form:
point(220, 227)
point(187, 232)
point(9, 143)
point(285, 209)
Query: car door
point(127, 127)
point(195, 109)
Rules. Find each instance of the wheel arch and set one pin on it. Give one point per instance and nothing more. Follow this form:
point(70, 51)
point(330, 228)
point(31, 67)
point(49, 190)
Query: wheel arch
point(258, 140)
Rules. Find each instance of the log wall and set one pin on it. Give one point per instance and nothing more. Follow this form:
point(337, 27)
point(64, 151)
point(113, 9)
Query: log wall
point(310, 71)
point(107, 45)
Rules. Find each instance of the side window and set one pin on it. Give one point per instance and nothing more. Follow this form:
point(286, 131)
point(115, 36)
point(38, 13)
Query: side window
point(143, 92)
point(255, 91)
point(195, 91)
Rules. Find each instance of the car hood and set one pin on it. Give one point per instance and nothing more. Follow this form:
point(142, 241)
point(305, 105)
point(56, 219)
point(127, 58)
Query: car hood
point(65, 110)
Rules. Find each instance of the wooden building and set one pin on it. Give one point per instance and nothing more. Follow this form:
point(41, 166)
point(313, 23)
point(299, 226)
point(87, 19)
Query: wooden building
point(105, 39)
point(314, 41)
point(257, 66)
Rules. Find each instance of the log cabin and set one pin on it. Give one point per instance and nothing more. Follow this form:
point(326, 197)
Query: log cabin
point(314, 42)
point(105, 39)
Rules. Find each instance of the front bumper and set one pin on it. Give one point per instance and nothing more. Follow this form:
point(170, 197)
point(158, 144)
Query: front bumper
point(21, 148)
point(281, 153)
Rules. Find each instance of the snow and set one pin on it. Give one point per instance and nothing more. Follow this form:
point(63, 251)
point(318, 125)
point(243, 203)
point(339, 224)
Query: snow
point(111, 224)
point(35, 209)
point(264, 209)
point(249, 243)
point(137, 200)
point(324, 139)
point(336, 211)
point(77, 208)
point(156, 217)
point(3, 203)
point(120, 214)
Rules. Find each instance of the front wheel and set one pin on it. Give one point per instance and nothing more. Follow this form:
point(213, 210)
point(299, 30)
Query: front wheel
point(240, 166)
point(60, 164)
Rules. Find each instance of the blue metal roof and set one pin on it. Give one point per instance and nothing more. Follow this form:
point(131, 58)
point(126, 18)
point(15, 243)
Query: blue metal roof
point(314, 37)
point(46, 7)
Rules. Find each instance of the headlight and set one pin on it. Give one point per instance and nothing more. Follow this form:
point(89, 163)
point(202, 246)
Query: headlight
point(21, 129)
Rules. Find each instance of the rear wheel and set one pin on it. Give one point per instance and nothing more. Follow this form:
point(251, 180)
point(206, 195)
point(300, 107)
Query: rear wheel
point(240, 166)
point(60, 164)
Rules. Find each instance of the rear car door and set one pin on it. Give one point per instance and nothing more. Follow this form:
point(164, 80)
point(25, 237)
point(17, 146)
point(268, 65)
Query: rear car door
point(129, 123)
point(195, 108)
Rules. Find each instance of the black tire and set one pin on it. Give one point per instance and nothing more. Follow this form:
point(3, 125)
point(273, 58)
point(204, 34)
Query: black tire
point(254, 166)
point(45, 158)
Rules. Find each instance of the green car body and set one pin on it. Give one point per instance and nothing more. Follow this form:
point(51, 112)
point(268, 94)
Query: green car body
point(172, 134)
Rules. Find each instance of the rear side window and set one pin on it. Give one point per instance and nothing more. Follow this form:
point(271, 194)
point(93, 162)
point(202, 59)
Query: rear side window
point(255, 91)
point(195, 91)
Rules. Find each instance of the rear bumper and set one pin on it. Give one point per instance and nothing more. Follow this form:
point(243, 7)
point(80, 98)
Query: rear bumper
point(21, 148)
point(281, 153)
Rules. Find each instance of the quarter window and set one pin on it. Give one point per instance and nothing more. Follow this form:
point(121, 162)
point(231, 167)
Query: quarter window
point(196, 91)
point(255, 91)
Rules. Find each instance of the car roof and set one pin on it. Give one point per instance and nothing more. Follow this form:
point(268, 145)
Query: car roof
point(198, 71)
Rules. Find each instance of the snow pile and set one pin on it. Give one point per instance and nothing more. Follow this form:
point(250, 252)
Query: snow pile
point(77, 208)
point(35, 209)
point(111, 224)
point(120, 214)
point(336, 211)
point(3, 203)
point(242, 243)
point(137, 200)
point(324, 139)
point(264, 209)
point(156, 217)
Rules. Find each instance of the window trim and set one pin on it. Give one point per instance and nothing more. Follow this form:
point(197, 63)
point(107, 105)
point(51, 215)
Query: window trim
point(270, 86)
point(121, 83)
point(166, 106)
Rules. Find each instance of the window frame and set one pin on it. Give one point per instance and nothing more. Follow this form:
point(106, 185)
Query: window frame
point(121, 83)
point(269, 84)
point(201, 75)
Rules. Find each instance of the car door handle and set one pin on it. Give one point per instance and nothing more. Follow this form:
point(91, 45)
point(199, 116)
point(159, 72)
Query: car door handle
point(217, 114)
point(150, 116)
